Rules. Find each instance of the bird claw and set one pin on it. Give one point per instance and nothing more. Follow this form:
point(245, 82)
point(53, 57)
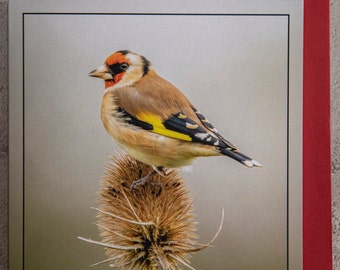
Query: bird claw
point(140, 182)
point(146, 179)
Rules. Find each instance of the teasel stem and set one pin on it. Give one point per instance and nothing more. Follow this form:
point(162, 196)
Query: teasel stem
point(151, 228)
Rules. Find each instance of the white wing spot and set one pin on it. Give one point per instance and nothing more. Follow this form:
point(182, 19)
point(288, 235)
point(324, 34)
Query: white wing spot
point(202, 136)
point(182, 116)
point(217, 142)
point(191, 126)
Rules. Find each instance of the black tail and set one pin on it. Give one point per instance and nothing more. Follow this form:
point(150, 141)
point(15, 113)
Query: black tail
point(245, 160)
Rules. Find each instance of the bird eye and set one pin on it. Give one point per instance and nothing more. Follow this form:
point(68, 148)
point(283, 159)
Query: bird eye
point(124, 66)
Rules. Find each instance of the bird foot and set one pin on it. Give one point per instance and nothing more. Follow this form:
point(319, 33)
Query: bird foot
point(147, 179)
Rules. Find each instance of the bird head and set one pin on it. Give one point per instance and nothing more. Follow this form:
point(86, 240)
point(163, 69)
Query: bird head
point(122, 68)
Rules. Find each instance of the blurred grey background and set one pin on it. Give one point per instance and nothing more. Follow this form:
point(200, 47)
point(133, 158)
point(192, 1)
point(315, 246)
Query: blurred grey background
point(97, 58)
point(234, 70)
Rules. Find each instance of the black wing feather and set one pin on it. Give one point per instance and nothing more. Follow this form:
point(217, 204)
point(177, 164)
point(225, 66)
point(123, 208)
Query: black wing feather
point(133, 120)
point(183, 124)
point(210, 127)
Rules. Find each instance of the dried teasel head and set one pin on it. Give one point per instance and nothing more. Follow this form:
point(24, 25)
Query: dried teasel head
point(149, 228)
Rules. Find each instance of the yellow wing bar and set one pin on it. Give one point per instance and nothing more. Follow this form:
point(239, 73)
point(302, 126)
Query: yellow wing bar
point(159, 128)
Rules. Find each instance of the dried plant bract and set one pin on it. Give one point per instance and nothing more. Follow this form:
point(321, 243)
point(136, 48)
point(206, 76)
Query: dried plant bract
point(152, 227)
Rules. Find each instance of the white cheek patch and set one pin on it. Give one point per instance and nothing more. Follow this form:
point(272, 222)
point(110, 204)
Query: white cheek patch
point(134, 59)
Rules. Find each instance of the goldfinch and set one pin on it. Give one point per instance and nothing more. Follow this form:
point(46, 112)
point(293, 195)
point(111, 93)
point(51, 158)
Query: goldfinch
point(152, 120)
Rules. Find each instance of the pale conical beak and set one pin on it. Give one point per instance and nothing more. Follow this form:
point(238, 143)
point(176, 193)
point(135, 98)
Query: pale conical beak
point(103, 72)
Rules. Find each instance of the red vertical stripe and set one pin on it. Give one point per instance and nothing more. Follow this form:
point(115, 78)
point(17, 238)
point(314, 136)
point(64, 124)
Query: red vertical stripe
point(317, 224)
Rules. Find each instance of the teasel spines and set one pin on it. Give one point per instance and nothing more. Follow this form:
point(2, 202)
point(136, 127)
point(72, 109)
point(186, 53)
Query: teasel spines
point(152, 227)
